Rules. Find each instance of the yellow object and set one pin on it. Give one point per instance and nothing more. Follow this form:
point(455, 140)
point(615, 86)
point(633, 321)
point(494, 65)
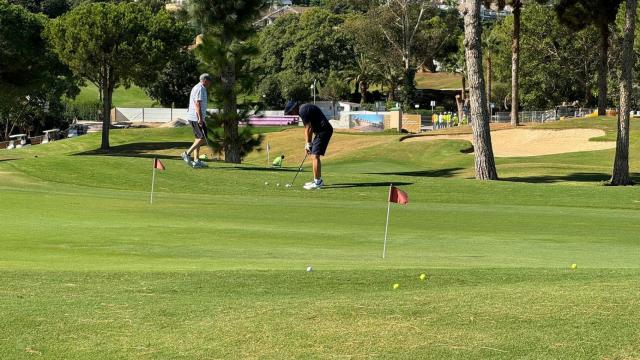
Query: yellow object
point(574, 266)
point(423, 276)
point(395, 286)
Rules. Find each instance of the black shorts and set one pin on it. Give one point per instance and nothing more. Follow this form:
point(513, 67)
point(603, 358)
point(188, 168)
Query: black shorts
point(320, 142)
point(199, 132)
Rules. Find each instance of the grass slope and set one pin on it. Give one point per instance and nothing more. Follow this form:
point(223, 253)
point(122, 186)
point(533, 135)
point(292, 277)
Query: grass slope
point(215, 268)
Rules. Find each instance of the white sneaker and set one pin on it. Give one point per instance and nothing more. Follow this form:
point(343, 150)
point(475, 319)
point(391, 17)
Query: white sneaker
point(309, 183)
point(186, 157)
point(314, 185)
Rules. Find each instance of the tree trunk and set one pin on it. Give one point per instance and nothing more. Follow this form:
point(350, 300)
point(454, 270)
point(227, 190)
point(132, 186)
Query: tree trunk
point(515, 64)
point(484, 162)
point(464, 88)
point(107, 93)
point(363, 91)
point(602, 69)
point(489, 76)
point(621, 163)
point(232, 146)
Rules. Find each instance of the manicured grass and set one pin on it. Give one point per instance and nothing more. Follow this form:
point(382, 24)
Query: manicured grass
point(215, 268)
point(122, 97)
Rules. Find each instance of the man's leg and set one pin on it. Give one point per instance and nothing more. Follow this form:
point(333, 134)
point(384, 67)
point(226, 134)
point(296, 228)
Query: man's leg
point(196, 145)
point(317, 167)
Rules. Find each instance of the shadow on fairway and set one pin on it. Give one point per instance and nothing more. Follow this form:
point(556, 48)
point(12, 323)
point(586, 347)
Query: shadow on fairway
point(574, 177)
point(365, 184)
point(2, 160)
point(450, 172)
point(262, 169)
point(141, 150)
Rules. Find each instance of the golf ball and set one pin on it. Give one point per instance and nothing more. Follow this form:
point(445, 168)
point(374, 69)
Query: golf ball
point(309, 269)
point(278, 184)
point(574, 266)
point(288, 185)
point(423, 276)
point(396, 286)
point(266, 183)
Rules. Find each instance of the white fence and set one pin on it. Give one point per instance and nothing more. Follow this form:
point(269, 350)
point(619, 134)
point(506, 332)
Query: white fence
point(162, 115)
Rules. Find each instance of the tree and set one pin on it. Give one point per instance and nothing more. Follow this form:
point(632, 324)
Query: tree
point(32, 78)
point(621, 162)
point(112, 44)
point(50, 8)
point(561, 65)
point(577, 15)
point(227, 50)
point(334, 89)
point(173, 86)
point(485, 167)
point(417, 32)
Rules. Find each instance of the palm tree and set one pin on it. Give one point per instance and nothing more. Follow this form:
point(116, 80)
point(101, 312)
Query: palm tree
point(363, 73)
point(577, 15)
point(621, 163)
point(485, 167)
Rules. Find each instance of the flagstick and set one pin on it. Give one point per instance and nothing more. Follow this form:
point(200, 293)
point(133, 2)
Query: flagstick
point(386, 228)
point(153, 181)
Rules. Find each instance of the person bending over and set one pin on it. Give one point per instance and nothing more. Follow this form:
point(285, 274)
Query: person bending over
point(314, 123)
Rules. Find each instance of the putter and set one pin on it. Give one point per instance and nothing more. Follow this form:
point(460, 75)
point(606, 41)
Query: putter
point(299, 169)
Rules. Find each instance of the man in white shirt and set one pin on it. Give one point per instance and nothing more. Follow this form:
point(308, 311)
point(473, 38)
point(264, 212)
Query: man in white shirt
point(196, 115)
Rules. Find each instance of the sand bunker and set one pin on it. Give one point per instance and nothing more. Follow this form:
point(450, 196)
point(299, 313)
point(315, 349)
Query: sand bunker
point(527, 142)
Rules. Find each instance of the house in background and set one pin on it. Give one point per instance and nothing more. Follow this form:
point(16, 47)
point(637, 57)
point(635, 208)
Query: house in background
point(278, 9)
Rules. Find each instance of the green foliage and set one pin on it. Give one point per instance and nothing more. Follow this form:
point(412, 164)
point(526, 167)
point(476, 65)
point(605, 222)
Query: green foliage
point(32, 78)
point(269, 92)
point(175, 81)
point(50, 8)
point(558, 65)
point(579, 14)
point(112, 44)
point(334, 88)
point(295, 86)
point(298, 48)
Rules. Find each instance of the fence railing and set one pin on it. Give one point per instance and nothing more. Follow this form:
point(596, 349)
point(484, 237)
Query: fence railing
point(541, 116)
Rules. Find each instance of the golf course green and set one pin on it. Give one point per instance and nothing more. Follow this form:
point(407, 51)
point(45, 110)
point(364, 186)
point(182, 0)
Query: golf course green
point(216, 267)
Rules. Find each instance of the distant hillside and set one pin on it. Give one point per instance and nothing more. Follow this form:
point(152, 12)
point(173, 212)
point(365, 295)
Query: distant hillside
point(438, 81)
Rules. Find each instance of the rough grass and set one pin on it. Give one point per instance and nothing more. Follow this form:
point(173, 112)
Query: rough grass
point(215, 268)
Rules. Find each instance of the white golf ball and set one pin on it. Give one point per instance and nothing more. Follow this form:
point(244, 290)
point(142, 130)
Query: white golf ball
point(278, 184)
point(309, 269)
point(266, 183)
point(288, 185)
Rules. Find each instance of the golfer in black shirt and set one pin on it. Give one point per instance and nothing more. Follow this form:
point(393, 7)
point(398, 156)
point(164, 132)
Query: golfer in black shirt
point(314, 123)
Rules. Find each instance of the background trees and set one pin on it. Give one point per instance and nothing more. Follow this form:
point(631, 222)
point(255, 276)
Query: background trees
point(113, 44)
point(32, 79)
point(560, 64)
point(579, 14)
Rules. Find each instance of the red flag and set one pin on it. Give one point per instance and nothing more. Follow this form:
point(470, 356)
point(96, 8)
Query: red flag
point(398, 196)
point(157, 164)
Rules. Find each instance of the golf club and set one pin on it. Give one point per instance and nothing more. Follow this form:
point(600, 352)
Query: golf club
point(299, 169)
point(206, 140)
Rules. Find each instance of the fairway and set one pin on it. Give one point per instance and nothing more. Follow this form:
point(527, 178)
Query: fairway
point(216, 267)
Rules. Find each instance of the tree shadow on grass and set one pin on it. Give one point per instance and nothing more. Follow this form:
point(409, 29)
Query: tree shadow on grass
point(450, 172)
point(2, 160)
point(365, 184)
point(142, 150)
point(256, 168)
point(586, 177)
